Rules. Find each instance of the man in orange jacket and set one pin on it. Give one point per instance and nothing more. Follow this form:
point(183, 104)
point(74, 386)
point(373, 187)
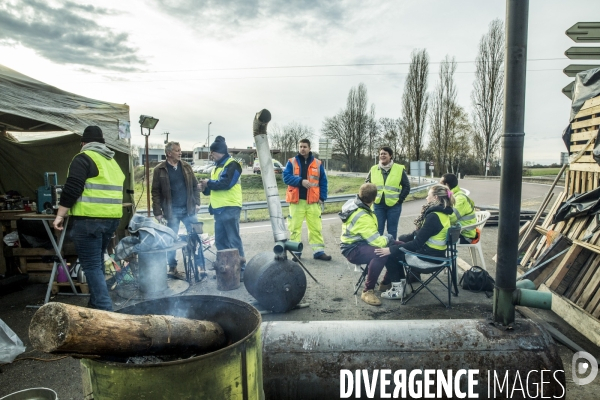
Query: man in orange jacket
point(306, 192)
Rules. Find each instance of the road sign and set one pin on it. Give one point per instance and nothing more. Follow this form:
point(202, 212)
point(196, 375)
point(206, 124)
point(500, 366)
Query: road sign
point(574, 69)
point(568, 90)
point(584, 32)
point(487, 165)
point(583, 53)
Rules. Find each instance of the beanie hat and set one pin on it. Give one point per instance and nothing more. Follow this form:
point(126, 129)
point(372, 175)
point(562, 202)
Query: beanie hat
point(92, 134)
point(219, 145)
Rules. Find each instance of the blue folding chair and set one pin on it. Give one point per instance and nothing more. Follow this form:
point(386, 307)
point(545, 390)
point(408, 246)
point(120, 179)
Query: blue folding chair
point(417, 264)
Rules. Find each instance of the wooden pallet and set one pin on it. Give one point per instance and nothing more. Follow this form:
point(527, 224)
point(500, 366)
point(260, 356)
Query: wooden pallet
point(66, 287)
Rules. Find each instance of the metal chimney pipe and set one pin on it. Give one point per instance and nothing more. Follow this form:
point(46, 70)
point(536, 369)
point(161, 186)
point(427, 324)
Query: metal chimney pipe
point(267, 172)
point(517, 15)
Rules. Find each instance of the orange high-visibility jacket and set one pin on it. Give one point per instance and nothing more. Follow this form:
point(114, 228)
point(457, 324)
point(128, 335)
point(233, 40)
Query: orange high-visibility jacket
point(313, 176)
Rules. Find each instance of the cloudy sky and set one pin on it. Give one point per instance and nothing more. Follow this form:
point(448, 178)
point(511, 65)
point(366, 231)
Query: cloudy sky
point(191, 62)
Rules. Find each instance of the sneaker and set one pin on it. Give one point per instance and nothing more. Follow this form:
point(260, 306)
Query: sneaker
point(323, 257)
point(384, 286)
point(395, 292)
point(370, 298)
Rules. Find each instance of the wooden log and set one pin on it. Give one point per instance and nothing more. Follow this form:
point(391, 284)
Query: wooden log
point(228, 269)
point(64, 328)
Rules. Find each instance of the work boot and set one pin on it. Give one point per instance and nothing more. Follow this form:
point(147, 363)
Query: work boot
point(384, 286)
point(323, 257)
point(396, 292)
point(370, 298)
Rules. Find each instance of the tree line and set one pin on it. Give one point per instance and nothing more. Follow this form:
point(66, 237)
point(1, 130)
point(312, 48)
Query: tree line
point(431, 126)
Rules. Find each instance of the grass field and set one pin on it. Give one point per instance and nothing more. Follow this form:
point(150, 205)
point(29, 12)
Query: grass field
point(252, 190)
point(543, 171)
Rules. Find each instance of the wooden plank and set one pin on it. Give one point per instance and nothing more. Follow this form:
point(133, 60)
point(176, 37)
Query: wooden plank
point(39, 266)
point(586, 159)
point(578, 147)
point(558, 245)
point(571, 183)
point(578, 285)
point(591, 167)
point(590, 290)
point(588, 111)
point(596, 312)
point(563, 267)
point(582, 136)
point(589, 104)
point(592, 247)
point(595, 301)
point(590, 181)
point(590, 122)
point(524, 228)
point(559, 199)
point(577, 188)
point(572, 271)
point(595, 178)
point(575, 316)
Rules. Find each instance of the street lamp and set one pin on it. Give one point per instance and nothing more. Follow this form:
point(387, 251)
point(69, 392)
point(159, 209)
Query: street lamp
point(208, 138)
point(149, 123)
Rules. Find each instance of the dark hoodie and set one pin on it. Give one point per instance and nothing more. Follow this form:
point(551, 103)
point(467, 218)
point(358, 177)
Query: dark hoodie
point(416, 241)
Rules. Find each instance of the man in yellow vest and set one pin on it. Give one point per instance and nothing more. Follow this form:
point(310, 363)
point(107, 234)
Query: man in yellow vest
point(463, 210)
point(93, 197)
point(225, 193)
point(306, 192)
point(392, 188)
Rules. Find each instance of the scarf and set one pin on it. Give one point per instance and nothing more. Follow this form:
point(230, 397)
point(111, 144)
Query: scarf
point(420, 220)
point(386, 167)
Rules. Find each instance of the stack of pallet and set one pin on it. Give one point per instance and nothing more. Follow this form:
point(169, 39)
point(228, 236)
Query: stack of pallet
point(564, 258)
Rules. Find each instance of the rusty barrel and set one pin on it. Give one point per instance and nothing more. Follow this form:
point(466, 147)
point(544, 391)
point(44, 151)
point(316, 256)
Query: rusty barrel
point(233, 372)
point(320, 359)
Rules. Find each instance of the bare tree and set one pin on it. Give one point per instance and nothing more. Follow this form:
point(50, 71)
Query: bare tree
point(488, 92)
point(442, 113)
point(459, 147)
point(391, 136)
point(374, 135)
point(286, 139)
point(349, 129)
point(415, 102)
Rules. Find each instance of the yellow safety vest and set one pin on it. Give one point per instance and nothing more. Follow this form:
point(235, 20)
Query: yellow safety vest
point(438, 241)
point(392, 186)
point(464, 212)
point(225, 198)
point(362, 226)
point(102, 195)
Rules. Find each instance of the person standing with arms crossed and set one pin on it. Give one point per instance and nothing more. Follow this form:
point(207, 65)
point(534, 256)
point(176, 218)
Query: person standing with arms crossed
point(306, 193)
point(392, 188)
point(175, 195)
point(93, 197)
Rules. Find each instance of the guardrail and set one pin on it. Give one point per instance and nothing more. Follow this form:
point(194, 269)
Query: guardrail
point(261, 205)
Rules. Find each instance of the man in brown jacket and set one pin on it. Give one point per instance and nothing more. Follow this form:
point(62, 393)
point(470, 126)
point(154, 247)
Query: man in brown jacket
point(175, 194)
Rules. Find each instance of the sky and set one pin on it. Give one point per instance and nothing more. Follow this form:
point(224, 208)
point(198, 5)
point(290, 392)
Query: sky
point(190, 62)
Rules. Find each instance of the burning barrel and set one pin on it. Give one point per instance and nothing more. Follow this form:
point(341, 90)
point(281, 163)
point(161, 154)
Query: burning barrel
point(234, 371)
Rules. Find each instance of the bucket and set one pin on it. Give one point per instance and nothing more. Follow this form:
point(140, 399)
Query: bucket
point(233, 372)
point(32, 394)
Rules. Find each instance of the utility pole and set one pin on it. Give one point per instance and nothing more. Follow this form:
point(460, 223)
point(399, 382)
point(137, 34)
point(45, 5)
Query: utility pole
point(167, 139)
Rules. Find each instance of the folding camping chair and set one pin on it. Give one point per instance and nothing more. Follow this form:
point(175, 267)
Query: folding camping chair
point(414, 266)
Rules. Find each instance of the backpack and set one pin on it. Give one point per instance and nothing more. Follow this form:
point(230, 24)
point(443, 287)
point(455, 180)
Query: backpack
point(477, 279)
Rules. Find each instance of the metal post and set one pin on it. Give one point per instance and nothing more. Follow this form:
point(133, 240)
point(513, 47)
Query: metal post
point(517, 13)
point(208, 138)
point(147, 173)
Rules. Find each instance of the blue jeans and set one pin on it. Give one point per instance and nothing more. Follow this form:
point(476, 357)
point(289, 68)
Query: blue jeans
point(91, 237)
point(178, 215)
point(227, 229)
point(389, 214)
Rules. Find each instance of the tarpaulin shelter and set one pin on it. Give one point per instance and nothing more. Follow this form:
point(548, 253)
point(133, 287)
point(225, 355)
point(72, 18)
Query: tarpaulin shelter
point(28, 105)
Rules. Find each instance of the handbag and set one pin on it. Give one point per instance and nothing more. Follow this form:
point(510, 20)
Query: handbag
point(477, 279)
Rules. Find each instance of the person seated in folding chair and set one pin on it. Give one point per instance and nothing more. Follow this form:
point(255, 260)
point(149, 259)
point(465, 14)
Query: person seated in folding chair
point(429, 240)
point(360, 238)
point(463, 211)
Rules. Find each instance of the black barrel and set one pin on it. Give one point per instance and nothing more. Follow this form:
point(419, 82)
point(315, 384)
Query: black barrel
point(278, 285)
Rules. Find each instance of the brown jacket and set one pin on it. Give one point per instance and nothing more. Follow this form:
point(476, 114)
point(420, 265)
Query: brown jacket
point(161, 190)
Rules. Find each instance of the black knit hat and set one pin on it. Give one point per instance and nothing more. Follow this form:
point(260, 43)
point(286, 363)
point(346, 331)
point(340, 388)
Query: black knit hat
point(92, 134)
point(219, 145)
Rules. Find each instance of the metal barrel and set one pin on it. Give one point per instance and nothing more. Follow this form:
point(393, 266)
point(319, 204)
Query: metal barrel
point(278, 284)
point(233, 372)
point(304, 360)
